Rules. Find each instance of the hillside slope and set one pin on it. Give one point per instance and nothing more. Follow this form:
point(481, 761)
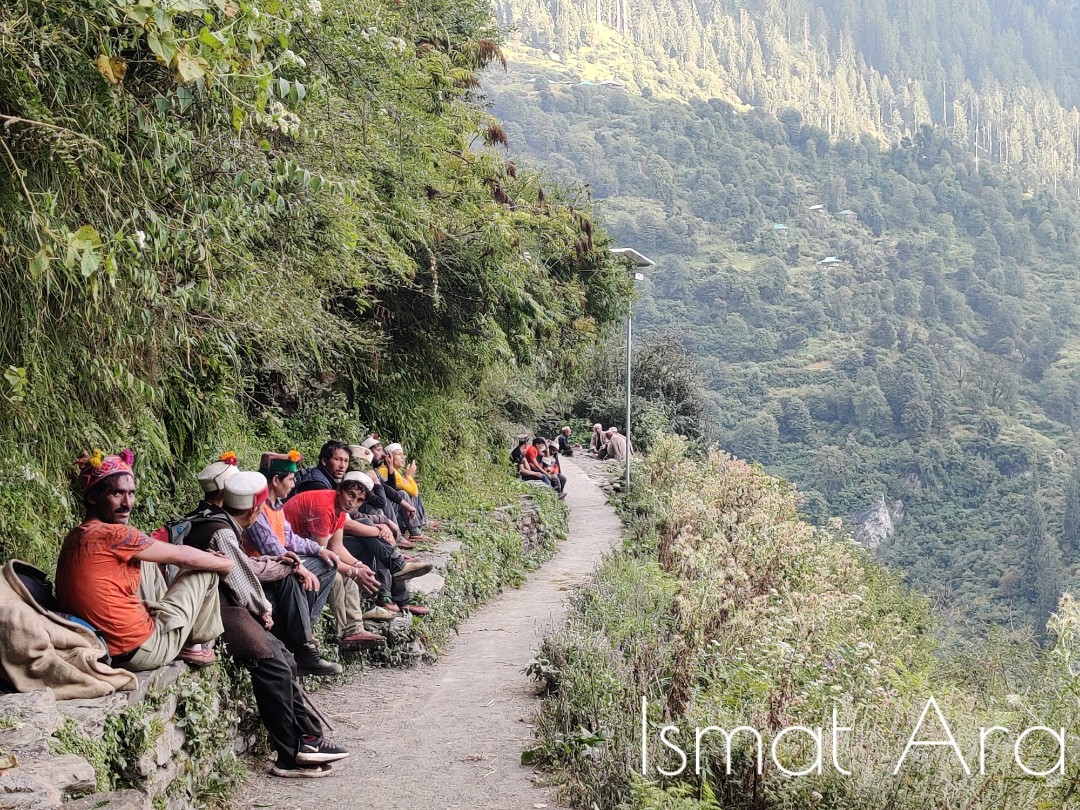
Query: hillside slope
point(872, 322)
point(1003, 76)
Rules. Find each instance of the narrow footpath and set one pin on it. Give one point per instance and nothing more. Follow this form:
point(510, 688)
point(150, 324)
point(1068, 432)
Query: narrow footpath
point(450, 734)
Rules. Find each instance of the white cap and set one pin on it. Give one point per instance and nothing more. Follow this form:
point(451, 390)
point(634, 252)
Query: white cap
point(370, 442)
point(362, 477)
point(393, 448)
point(597, 426)
point(212, 476)
point(245, 490)
point(361, 453)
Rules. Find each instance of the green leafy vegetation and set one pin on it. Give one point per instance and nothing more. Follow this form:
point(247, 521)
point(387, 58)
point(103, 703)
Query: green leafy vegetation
point(1001, 77)
point(724, 609)
point(240, 226)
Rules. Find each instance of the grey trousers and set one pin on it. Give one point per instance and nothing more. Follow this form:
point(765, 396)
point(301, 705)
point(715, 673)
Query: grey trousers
point(186, 612)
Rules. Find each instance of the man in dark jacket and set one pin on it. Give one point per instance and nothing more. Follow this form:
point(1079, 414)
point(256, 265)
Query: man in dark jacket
point(333, 464)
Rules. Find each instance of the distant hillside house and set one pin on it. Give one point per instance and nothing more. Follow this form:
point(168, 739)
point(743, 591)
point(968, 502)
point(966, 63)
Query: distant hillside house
point(831, 261)
point(779, 227)
point(611, 83)
point(818, 210)
point(849, 215)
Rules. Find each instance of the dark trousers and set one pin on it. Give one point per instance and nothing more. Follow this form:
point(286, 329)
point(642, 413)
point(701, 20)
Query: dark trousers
point(282, 709)
point(273, 681)
point(292, 611)
point(384, 560)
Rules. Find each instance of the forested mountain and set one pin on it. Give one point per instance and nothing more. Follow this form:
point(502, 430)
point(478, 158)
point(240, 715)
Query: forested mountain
point(874, 321)
point(1003, 76)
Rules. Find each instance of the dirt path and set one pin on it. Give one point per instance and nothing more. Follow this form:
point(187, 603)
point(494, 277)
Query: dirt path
point(450, 735)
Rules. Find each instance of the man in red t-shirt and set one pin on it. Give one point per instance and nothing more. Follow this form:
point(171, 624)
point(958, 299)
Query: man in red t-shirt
point(320, 515)
point(99, 577)
point(532, 455)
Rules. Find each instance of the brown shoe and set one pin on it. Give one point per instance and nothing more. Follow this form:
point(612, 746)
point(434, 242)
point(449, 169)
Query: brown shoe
point(363, 640)
point(418, 610)
point(405, 543)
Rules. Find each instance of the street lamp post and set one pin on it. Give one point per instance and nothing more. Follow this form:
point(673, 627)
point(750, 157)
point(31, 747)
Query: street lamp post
point(633, 260)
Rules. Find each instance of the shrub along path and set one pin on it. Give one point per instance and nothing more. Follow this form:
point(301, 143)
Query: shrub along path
point(450, 735)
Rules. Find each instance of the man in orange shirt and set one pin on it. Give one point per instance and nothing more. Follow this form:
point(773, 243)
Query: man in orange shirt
point(105, 565)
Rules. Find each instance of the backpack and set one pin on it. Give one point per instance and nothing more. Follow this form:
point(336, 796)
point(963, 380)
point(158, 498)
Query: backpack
point(179, 532)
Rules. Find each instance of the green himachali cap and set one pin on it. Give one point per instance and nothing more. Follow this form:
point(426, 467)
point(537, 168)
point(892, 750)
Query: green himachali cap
point(280, 462)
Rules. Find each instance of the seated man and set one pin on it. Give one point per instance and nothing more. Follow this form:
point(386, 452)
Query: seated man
point(378, 553)
point(101, 570)
point(402, 477)
point(375, 506)
point(598, 441)
point(332, 466)
point(565, 447)
point(271, 584)
point(271, 534)
point(551, 464)
point(398, 508)
point(532, 454)
point(522, 465)
point(617, 447)
point(295, 733)
point(320, 515)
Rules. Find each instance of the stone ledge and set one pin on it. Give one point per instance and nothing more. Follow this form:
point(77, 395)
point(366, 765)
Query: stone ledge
point(431, 585)
point(114, 800)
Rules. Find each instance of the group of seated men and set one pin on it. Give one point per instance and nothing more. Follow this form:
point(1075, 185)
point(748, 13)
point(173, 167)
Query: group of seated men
point(253, 564)
point(607, 444)
point(537, 459)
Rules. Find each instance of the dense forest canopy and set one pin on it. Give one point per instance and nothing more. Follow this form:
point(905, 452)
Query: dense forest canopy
point(876, 322)
point(1001, 77)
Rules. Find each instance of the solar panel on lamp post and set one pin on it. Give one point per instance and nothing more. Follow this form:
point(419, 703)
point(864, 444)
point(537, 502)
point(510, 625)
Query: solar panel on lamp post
point(633, 260)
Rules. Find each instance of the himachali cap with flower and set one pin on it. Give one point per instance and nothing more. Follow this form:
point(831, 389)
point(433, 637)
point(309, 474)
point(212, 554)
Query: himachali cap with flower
point(361, 453)
point(97, 467)
point(280, 462)
point(393, 448)
point(212, 477)
point(245, 490)
point(370, 442)
point(363, 478)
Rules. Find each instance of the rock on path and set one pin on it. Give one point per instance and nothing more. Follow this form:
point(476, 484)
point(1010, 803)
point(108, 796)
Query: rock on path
point(450, 735)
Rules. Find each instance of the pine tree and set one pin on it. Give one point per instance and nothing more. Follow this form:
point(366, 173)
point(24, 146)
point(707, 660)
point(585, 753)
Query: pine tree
point(1043, 572)
point(1072, 511)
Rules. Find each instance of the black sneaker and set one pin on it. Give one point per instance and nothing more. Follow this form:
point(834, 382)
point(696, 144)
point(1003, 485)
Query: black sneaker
point(319, 751)
point(309, 662)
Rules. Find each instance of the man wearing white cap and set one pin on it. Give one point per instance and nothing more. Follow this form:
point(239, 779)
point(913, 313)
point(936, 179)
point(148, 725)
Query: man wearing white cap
point(398, 507)
point(386, 561)
point(598, 441)
point(296, 735)
point(617, 447)
point(565, 447)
